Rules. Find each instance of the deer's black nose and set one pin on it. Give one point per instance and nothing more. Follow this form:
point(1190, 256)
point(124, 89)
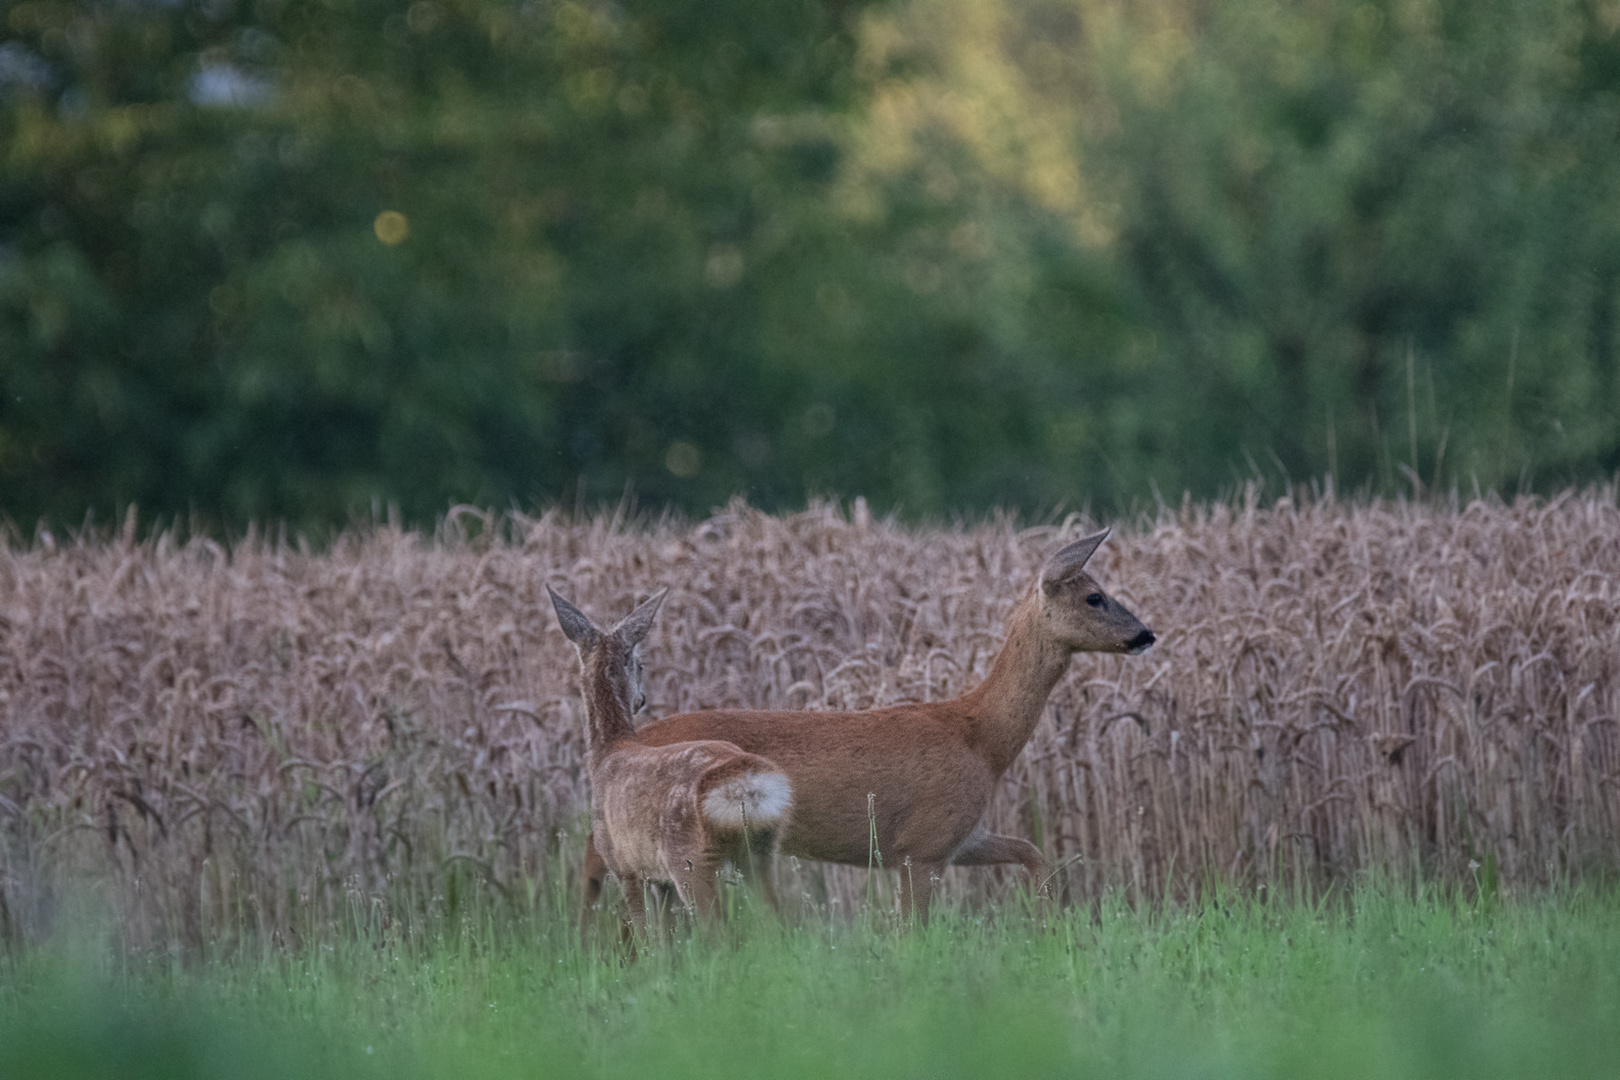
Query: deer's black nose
point(1140, 642)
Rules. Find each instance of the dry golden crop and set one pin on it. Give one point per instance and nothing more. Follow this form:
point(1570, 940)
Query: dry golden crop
point(232, 737)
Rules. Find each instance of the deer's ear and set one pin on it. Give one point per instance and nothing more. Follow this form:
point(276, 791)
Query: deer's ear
point(580, 630)
point(634, 626)
point(1070, 559)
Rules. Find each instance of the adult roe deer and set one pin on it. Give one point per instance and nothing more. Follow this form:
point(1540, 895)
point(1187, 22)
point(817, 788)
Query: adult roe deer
point(933, 767)
point(668, 814)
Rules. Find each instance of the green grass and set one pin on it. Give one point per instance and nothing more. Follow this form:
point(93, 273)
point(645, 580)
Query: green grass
point(1370, 985)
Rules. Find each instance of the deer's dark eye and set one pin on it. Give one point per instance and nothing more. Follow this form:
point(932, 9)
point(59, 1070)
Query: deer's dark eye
point(1096, 600)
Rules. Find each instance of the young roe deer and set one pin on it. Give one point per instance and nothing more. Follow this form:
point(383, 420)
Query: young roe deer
point(933, 767)
point(669, 814)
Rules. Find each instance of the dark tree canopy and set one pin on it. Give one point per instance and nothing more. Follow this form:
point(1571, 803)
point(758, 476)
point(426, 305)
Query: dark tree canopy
point(289, 258)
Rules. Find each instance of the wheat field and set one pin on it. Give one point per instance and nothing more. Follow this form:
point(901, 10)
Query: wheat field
point(241, 739)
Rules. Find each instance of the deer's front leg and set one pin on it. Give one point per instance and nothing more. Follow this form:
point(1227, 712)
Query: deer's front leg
point(592, 875)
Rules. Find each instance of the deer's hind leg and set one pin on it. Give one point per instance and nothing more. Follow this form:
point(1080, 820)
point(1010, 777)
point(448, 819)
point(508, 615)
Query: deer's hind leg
point(648, 906)
point(704, 898)
point(635, 904)
point(992, 849)
point(753, 854)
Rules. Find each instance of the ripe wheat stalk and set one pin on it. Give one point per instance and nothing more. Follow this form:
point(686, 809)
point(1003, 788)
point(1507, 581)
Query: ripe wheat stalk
point(237, 737)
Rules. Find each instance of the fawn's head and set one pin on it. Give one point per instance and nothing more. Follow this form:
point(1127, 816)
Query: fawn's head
point(614, 656)
point(1076, 610)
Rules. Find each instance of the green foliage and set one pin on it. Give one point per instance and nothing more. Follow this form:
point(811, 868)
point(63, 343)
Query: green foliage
point(287, 258)
point(1376, 984)
point(200, 305)
point(1369, 236)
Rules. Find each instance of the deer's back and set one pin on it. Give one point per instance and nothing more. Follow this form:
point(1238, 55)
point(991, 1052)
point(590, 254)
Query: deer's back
point(929, 786)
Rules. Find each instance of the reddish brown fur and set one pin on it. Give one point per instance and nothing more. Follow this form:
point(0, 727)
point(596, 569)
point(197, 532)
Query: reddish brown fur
point(931, 767)
point(649, 816)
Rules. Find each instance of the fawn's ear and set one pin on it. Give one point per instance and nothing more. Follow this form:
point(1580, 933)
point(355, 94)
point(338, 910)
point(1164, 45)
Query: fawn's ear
point(1070, 559)
point(579, 629)
point(635, 625)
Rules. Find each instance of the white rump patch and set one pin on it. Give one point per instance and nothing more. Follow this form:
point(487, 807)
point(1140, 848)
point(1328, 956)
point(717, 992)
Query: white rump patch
point(759, 799)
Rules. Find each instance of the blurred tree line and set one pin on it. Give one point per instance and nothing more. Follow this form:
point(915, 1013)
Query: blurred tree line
point(285, 258)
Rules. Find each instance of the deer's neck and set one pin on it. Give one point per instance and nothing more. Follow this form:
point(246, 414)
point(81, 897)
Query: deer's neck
point(607, 707)
point(1008, 704)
